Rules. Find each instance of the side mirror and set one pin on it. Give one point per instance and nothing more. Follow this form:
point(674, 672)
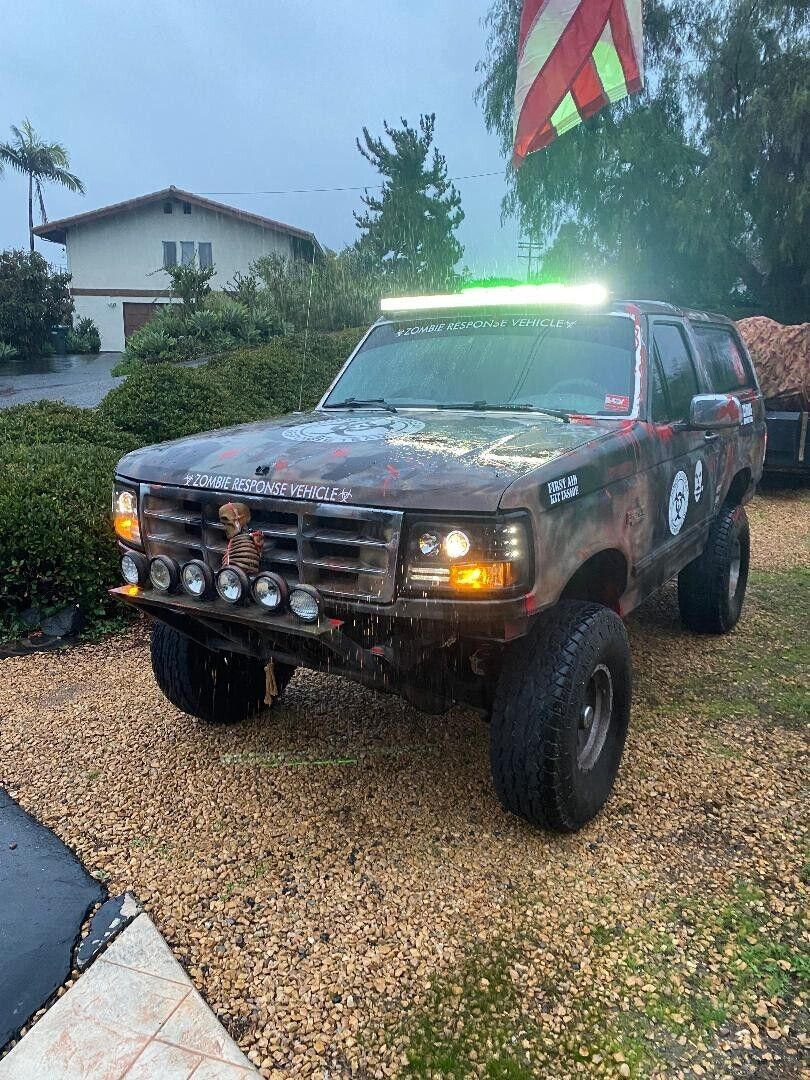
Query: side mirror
point(712, 411)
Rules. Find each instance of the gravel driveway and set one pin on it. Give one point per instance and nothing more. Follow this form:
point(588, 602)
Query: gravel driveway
point(344, 889)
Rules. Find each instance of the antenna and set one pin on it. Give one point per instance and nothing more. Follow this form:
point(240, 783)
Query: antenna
point(306, 331)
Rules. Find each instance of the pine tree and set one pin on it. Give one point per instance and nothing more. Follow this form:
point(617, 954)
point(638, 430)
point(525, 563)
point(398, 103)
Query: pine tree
point(409, 228)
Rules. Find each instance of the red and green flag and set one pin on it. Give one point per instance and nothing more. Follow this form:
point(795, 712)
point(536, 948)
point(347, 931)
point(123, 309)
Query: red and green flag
point(574, 58)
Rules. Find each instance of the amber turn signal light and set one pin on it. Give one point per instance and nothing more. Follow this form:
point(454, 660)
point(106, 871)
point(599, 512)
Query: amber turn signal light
point(490, 575)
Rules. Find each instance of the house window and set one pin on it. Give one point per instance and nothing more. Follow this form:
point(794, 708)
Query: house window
point(205, 253)
point(186, 252)
point(186, 207)
point(167, 206)
point(169, 253)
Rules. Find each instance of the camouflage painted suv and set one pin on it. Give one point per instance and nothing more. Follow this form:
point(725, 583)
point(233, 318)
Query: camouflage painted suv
point(492, 481)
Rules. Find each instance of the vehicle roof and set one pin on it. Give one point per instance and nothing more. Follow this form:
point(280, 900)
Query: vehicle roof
point(646, 307)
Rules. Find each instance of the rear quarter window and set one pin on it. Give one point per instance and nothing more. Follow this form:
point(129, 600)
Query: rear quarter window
point(727, 366)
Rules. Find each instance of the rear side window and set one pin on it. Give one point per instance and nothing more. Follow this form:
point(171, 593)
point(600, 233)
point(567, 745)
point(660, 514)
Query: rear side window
point(727, 367)
point(676, 370)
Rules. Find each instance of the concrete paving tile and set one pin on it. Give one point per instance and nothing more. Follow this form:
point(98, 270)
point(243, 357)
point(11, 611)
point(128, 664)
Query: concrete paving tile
point(160, 1060)
point(122, 998)
point(141, 946)
point(218, 1070)
point(67, 1046)
point(193, 1026)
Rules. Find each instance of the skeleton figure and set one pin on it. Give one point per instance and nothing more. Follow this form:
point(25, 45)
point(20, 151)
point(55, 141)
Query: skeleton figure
point(244, 547)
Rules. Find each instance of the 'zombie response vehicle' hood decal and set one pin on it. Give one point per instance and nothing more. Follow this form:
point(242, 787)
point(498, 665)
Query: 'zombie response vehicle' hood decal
point(412, 460)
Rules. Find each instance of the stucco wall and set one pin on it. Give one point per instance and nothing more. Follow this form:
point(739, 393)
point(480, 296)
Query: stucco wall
point(107, 312)
point(122, 252)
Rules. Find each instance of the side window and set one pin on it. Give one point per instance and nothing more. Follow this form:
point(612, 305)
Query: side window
point(727, 367)
point(660, 401)
point(206, 255)
point(676, 367)
point(186, 252)
point(169, 253)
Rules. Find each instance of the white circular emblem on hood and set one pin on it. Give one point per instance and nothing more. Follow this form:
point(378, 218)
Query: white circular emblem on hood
point(353, 429)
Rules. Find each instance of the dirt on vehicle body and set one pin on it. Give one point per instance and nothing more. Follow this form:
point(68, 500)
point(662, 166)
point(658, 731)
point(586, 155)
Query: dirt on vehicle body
point(479, 497)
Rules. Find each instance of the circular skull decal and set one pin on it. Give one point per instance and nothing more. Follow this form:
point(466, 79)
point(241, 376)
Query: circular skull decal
point(678, 502)
point(698, 480)
point(353, 429)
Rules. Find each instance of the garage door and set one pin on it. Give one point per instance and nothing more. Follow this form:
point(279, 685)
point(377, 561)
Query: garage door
point(138, 315)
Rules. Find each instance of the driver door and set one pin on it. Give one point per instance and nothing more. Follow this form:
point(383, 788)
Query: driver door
point(683, 482)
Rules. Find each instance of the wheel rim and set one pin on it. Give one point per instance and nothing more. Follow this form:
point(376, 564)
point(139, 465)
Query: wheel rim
point(594, 718)
point(735, 564)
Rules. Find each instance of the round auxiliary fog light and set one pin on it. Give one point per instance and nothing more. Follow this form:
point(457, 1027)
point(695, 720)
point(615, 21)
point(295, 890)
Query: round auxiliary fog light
point(197, 579)
point(305, 603)
point(164, 573)
point(134, 568)
point(269, 590)
point(456, 544)
point(429, 543)
point(232, 584)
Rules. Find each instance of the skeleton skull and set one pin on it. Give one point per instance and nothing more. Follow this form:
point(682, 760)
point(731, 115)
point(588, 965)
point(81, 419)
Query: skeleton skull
point(234, 517)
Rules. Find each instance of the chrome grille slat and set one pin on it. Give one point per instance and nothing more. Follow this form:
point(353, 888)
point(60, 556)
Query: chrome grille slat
point(341, 549)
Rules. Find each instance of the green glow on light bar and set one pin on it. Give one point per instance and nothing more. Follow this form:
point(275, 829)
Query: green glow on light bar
point(501, 296)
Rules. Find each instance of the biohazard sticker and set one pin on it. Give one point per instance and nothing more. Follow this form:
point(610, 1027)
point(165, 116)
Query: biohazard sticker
point(678, 502)
point(698, 480)
point(353, 429)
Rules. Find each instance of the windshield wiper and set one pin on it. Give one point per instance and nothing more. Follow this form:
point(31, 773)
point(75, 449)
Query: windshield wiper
point(353, 402)
point(486, 406)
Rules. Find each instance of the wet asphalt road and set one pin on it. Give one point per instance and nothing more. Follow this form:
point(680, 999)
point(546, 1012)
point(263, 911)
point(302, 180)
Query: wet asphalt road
point(45, 894)
point(79, 380)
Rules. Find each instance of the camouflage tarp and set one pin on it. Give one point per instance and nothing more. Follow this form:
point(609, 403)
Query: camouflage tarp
point(781, 355)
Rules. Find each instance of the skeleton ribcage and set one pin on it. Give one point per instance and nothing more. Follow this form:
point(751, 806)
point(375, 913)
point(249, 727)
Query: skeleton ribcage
point(244, 552)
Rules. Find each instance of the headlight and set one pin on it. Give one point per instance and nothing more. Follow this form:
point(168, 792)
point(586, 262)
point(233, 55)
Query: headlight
point(232, 584)
point(269, 590)
point(125, 514)
point(197, 579)
point(134, 568)
point(468, 557)
point(305, 603)
point(164, 573)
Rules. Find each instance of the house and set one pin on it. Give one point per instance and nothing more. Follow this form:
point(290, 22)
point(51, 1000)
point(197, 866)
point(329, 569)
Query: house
point(115, 255)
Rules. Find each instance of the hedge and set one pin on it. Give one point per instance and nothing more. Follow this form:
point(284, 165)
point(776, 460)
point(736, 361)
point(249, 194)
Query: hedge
point(160, 401)
point(57, 461)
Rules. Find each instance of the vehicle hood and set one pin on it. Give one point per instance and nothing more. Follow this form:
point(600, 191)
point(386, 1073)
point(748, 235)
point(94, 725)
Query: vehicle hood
point(408, 460)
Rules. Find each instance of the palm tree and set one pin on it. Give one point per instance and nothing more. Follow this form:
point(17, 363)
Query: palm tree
point(42, 163)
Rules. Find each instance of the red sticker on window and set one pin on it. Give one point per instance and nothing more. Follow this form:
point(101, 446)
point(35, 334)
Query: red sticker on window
point(617, 402)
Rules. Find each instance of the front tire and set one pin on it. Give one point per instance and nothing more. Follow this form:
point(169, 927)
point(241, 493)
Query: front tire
point(218, 687)
point(560, 717)
point(711, 589)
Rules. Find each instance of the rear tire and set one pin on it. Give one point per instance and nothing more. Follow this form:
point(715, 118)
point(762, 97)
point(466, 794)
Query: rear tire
point(711, 590)
point(218, 687)
point(560, 717)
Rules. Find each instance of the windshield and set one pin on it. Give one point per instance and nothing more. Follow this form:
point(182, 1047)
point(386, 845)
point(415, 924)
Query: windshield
point(575, 363)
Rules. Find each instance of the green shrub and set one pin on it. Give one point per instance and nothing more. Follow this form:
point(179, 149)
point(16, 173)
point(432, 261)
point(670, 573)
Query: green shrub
point(33, 299)
point(153, 342)
point(42, 423)
point(56, 542)
point(83, 337)
point(159, 402)
point(7, 352)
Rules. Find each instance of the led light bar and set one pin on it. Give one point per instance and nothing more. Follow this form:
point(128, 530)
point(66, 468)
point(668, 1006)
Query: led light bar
point(501, 296)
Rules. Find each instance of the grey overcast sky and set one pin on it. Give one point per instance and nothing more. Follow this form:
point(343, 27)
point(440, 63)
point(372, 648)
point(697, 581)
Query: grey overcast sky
point(247, 96)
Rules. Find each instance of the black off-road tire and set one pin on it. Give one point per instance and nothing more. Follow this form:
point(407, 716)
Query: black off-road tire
point(711, 590)
point(538, 769)
point(218, 687)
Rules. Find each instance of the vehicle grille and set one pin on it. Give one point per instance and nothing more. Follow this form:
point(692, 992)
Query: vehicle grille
point(341, 550)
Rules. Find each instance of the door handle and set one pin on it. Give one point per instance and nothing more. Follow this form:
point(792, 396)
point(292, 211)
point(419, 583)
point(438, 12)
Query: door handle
point(710, 436)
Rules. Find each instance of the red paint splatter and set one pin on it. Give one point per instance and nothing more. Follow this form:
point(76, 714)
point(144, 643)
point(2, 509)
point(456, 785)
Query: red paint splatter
point(393, 474)
point(226, 454)
point(341, 452)
point(281, 465)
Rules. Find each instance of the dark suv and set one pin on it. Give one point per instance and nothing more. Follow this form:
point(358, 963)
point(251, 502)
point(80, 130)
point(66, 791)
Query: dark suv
point(492, 481)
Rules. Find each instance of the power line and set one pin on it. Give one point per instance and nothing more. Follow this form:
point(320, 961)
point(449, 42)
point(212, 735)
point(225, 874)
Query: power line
point(319, 190)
